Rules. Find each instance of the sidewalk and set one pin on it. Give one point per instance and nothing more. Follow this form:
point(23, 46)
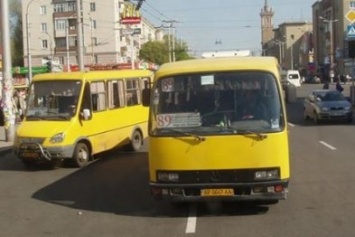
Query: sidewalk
point(5, 147)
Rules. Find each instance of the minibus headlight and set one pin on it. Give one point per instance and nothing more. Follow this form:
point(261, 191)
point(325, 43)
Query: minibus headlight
point(266, 174)
point(59, 137)
point(168, 176)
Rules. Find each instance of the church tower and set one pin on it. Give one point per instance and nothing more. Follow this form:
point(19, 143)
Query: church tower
point(267, 33)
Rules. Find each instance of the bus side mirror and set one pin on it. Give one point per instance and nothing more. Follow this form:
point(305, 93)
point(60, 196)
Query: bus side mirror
point(146, 97)
point(86, 115)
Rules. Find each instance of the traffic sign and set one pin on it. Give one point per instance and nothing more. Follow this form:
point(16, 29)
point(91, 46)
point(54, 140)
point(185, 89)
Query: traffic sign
point(350, 16)
point(350, 31)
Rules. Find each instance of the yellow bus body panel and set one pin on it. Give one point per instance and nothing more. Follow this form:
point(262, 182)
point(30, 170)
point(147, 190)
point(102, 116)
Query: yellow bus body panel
point(219, 153)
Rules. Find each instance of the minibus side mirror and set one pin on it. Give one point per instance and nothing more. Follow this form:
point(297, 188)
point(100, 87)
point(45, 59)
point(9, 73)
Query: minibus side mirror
point(86, 114)
point(146, 97)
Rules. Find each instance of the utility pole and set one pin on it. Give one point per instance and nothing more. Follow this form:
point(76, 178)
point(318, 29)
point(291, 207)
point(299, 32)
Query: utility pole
point(7, 93)
point(331, 44)
point(28, 33)
point(79, 30)
point(171, 41)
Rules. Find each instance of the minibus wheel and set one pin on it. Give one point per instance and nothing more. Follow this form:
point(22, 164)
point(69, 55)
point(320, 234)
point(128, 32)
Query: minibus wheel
point(136, 141)
point(81, 155)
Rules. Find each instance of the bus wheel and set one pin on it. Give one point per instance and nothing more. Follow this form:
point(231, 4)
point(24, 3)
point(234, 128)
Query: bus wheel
point(136, 141)
point(81, 155)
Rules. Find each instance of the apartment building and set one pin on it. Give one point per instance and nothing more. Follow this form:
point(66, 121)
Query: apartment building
point(332, 20)
point(112, 32)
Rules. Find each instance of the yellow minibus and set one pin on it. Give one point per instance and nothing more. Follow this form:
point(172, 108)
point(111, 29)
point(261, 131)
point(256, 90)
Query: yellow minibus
point(217, 129)
point(75, 115)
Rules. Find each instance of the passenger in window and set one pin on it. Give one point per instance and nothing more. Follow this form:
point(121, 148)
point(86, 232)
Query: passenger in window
point(252, 108)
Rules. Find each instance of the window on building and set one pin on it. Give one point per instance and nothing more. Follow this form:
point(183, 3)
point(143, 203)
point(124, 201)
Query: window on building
point(94, 41)
point(70, 6)
point(44, 44)
point(93, 23)
point(60, 25)
point(60, 42)
point(42, 10)
point(92, 7)
point(43, 27)
point(352, 4)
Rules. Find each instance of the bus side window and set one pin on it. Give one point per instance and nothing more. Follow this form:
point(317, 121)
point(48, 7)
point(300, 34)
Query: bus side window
point(86, 102)
point(98, 96)
point(132, 92)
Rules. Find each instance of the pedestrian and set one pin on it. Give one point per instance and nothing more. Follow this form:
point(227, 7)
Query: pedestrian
point(338, 87)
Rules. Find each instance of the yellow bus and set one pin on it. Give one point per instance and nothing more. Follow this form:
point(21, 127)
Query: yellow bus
point(217, 129)
point(75, 115)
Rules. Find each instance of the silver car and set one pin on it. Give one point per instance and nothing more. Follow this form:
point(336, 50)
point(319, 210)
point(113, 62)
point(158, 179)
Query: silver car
point(324, 104)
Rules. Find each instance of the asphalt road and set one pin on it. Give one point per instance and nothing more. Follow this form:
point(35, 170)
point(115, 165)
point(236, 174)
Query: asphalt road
point(110, 197)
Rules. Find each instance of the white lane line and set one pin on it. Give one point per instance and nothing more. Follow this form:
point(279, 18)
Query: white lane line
point(191, 220)
point(327, 145)
point(291, 125)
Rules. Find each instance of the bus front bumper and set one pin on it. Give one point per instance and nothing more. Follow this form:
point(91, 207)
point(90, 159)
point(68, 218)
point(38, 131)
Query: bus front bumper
point(36, 152)
point(270, 190)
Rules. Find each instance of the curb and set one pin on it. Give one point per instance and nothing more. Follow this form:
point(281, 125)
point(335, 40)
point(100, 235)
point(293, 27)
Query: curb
point(5, 150)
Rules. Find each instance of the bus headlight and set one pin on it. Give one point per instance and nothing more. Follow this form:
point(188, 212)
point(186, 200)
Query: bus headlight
point(266, 174)
point(168, 176)
point(57, 138)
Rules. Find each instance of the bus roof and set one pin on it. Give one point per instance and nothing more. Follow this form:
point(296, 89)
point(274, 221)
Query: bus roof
point(258, 63)
point(93, 75)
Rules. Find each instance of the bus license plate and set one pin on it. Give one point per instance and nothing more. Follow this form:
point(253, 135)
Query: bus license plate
point(217, 192)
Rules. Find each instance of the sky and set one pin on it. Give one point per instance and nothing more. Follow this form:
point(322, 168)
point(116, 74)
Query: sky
point(216, 25)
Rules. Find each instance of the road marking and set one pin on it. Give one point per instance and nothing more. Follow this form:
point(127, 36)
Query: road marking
point(191, 220)
point(327, 145)
point(291, 125)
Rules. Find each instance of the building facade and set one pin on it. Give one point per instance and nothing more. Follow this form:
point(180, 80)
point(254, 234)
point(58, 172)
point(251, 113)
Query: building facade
point(112, 32)
point(332, 21)
point(290, 42)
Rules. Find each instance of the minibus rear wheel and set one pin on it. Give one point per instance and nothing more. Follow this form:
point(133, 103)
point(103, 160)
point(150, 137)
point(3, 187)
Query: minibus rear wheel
point(136, 141)
point(81, 155)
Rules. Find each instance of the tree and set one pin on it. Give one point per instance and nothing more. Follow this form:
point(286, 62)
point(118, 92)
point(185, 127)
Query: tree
point(158, 51)
point(16, 33)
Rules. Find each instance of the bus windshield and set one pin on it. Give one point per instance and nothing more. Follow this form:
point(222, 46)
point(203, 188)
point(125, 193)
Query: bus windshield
point(216, 103)
point(53, 100)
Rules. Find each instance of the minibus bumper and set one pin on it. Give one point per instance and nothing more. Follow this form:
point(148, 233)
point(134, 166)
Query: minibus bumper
point(268, 191)
point(36, 152)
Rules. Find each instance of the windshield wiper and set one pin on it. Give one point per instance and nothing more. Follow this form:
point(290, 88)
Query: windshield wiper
point(261, 136)
point(198, 137)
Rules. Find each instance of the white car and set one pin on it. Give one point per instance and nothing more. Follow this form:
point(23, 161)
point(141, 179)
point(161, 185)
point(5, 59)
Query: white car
point(294, 77)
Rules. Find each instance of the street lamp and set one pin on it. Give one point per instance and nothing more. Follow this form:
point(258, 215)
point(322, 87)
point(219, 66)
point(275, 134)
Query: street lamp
point(29, 58)
point(331, 47)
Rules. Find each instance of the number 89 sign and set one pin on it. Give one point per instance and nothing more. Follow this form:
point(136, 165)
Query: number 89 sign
point(164, 120)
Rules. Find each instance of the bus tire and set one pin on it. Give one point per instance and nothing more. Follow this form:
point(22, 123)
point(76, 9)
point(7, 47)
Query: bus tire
point(136, 141)
point(81, 155)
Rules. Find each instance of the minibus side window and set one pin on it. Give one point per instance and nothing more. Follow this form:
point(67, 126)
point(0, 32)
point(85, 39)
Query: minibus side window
point(86, 103)
point(132, 92)
point(115, 94)
point(98, 96)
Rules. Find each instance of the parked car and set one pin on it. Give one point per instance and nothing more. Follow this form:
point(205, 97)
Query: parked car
point(324, 104)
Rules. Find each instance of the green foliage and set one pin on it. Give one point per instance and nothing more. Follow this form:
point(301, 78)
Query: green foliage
point(158, 51)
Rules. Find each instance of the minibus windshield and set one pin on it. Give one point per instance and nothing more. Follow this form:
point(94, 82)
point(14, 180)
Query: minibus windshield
point(53, 100)
point(217, 103)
